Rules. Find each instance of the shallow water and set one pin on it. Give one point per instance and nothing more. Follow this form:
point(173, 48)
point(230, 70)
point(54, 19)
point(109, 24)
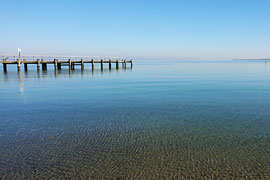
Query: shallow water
point(158, 120)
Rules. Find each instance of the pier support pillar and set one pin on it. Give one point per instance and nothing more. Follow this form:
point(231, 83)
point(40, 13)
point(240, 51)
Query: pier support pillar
point(93, 62)
point(82, 64)
point(38, 64)
point(19, 64)
point(131, 63)
point(101, 64)
point(70, 63)
point(44, 65)
point(25, 66)
point(55, 63)
point(5, 65)
point(58, 65)
point(117, 64)
point(110, 64)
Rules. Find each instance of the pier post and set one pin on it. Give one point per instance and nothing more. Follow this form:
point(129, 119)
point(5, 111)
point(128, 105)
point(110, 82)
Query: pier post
point(25, 64)
point(38, 64)
point(70, 63)
point(117, 64)
point(82, 64)
point(58, 65)
point(44, 65)
point(19, 64)
point(131, 63)
point(110, 64)
point(125, 64)
point(5, 65)
point(101, 64)
point(93, 64)
point(55, 63)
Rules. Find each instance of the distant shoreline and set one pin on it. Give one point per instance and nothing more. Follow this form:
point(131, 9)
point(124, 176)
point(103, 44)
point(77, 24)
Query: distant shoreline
point(253, 59)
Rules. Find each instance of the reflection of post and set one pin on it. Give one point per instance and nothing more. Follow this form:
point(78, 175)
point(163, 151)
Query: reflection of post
point(19, 64)
point(5, 65)
point(101, 64)
point(82, 71)
point(55, 64)
point(38, 64)
point(21, 82)
point(25, 64)
point(58, 65)
point(92, 71)
point(117, 64)
point(93, 64)
point(70, 71)
point(5, 76)
point(56, 72)
point(55, 67)
point(82, 63)
point(110, 64)
point(38, 72)
point(70, 63)
point(131, 63)
point(44, 64)
point(73, 65)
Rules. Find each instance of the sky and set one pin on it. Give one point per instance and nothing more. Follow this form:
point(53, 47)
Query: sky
point(140, 29)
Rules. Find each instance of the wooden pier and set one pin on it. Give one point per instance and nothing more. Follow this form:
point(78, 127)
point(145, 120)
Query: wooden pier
point(64, 62)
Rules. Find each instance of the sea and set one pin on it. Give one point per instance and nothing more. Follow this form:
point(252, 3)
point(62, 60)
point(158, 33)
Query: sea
point(160, 119)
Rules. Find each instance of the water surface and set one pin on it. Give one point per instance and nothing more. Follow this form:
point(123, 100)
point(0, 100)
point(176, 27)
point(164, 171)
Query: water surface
point(158, 120)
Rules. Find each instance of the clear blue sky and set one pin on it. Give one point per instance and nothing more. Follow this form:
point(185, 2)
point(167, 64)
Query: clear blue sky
point(142, 29)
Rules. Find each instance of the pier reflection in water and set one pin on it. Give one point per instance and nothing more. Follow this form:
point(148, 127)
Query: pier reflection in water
point(55, 73)
point(24, 75)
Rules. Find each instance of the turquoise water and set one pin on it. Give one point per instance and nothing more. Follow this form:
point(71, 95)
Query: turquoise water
point(158, 120)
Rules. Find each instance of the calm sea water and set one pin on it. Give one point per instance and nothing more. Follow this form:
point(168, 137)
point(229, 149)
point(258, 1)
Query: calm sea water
point(159, 120)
